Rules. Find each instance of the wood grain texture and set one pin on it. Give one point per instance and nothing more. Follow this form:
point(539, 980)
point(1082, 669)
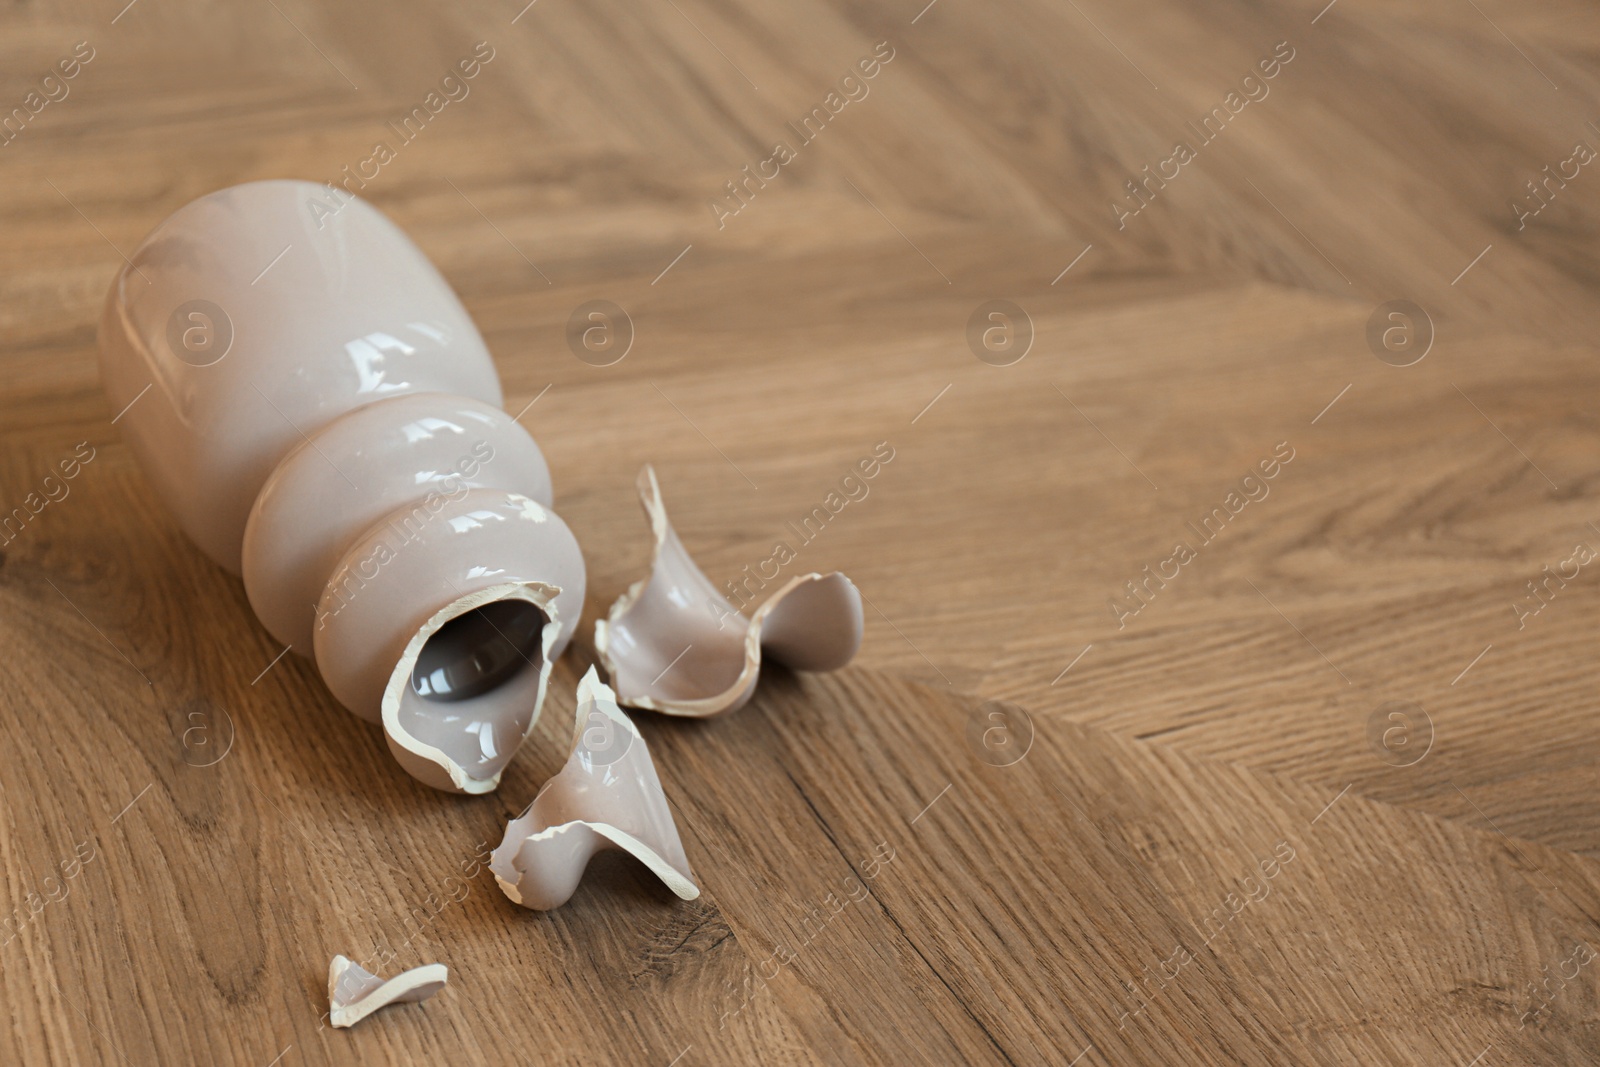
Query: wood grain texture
point(876, 889)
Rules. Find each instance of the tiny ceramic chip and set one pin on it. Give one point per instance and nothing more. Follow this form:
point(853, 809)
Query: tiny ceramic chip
point(607, 796)
point(355, 993)
point(672, 643)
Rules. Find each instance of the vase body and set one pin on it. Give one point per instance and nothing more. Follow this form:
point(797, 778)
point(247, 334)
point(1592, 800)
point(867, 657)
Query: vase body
point(307, 395)
point(244, 360)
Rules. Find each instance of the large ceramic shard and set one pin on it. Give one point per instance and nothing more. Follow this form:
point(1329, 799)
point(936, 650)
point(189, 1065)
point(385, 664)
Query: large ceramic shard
point(607, 796)
point(355, 992)
point(673, 643)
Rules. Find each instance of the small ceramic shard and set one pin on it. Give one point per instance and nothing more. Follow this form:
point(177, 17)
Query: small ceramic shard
point(607, 796)
point(672, 643)
point(355, 993)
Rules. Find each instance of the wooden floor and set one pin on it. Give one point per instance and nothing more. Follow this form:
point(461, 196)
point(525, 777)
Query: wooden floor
point(1324, 794)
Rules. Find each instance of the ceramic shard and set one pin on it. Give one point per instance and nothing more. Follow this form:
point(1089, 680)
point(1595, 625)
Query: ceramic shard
point(673, 643)
point(607, 796)
point(355, 993)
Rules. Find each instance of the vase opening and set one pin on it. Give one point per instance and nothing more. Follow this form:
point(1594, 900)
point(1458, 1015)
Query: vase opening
point(479, 651)
point(475, 686)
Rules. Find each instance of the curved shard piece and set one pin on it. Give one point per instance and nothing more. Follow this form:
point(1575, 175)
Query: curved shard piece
point(355, 993)
point(672, 643)
point(606, 797)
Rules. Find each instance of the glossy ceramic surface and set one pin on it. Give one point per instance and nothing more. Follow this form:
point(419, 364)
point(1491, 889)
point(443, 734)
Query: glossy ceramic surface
point(423, 449)
point(253, 323)
point(311, 400)
point(401, 581)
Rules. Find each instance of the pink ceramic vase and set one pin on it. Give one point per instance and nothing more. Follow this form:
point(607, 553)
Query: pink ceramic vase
point(310, 399)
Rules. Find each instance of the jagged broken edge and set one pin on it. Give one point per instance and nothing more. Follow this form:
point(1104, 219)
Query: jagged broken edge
point(543, 596)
